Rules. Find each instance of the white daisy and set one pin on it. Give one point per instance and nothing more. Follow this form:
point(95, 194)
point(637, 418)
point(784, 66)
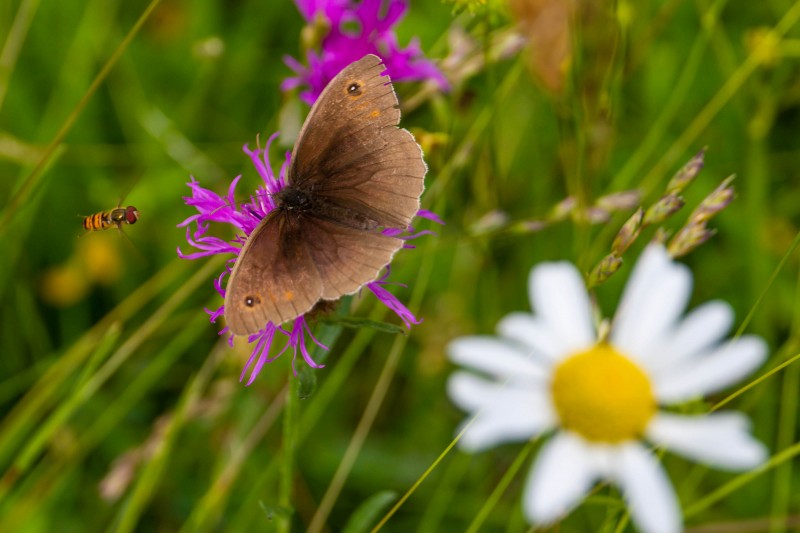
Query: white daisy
point(548, 371)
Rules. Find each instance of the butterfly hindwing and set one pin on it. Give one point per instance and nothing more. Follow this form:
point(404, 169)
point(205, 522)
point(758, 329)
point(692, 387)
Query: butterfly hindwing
point(347, 258)
point(274, 278)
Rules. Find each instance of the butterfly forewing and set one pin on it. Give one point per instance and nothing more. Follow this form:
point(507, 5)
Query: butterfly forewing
point(384, 187)
point(339, 107)
point(274, 278)
point(364, 162)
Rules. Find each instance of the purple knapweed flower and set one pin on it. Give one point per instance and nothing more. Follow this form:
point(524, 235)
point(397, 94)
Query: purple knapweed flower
point(212, 207)
point(356, 29)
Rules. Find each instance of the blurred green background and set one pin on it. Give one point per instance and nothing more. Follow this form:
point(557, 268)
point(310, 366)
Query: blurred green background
point(122, 408)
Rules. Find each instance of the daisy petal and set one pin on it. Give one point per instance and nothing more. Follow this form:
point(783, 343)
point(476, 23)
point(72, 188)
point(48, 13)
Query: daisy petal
point(505, 413)
point(526, 329)
point(656, 295)
point(559, 298)
point(721, 440)
point(728, 364)
point(650, 496)
point(648, 268)
point(494, 357)
point(561, 477)
point(704, 327)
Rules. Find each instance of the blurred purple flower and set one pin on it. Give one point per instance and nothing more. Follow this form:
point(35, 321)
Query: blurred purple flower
point(357, 29)
point(212, 207)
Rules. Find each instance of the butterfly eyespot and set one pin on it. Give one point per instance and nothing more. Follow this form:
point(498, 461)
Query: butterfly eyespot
point(354, 88)
point(250, 301)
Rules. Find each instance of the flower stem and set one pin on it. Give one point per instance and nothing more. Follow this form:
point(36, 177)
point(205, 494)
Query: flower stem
point(284, 521)
point(501, 487)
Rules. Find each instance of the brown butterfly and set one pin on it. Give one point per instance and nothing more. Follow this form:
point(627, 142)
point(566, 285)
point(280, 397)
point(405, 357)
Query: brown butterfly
point(353, 173)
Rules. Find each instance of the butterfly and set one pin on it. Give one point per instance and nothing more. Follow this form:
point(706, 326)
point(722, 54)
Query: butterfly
point(353, 174)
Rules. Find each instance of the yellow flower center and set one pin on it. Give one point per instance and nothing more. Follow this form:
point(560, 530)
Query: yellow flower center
point(602, 395)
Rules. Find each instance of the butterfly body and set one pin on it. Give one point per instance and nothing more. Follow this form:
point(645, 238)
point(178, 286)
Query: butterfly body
point(301, 204)
point(353, 173)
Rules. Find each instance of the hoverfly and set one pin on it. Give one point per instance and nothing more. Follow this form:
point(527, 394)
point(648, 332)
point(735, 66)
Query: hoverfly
point(108, 219)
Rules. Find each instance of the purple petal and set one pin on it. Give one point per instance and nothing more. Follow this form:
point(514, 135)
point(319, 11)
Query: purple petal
point(264, 340)
point(297, 340)
point(430, 215)
point(214, 315)
point(390, 300)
